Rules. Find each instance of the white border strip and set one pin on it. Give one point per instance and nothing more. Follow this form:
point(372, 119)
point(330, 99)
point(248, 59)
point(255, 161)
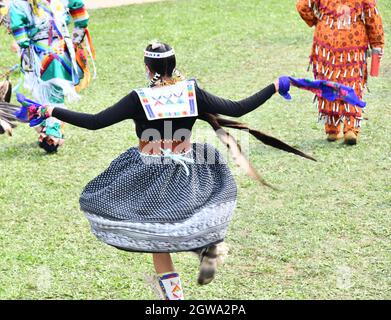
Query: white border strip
point(159, 55)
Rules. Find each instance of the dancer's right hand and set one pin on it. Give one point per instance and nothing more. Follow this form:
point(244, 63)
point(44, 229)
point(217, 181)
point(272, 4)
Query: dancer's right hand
point(49, 111)
point(45, 112)
point(37, 115)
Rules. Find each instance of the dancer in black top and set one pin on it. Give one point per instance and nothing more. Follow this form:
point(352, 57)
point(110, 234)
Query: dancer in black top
point(130, 108)
point(167, 195)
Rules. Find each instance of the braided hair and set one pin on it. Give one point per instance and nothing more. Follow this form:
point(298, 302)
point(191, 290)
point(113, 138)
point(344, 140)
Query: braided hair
point(164, 67)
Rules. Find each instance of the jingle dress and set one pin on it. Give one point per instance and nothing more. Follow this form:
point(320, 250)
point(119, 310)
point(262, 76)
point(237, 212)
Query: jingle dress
point(344, 32)
point(168, 202)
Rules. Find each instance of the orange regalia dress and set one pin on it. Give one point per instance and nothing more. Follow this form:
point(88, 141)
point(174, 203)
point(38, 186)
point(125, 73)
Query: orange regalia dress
point(345, 30)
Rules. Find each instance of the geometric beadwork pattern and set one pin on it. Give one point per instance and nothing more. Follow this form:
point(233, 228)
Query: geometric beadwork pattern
point(176, 101)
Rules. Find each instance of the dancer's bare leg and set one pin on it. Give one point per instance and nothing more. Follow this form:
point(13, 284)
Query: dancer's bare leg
point(169, 282)
point(163, 263)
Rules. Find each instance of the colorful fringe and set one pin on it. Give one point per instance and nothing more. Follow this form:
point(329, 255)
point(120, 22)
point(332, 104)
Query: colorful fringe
point(84, 50)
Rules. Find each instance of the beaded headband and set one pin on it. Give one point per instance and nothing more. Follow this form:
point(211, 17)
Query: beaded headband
point(159, 55)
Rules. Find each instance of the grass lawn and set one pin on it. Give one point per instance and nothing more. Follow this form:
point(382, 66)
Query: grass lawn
point(325, 235)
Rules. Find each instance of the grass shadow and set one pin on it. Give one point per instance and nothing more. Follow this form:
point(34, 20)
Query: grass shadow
point(21, 151)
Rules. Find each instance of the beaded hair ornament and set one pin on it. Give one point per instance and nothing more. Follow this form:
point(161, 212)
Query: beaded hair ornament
point(157, 78)
point(158, 55)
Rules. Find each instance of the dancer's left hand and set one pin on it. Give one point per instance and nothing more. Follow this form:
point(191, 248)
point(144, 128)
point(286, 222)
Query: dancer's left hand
point(277, 85)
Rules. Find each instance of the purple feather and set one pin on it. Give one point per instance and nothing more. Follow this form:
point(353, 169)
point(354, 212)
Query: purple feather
point(284, 85)
point(36, 121)
point(22, 114)
point(329, 90)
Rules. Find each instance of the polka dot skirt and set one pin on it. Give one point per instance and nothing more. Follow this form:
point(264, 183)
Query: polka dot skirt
point(140, 201)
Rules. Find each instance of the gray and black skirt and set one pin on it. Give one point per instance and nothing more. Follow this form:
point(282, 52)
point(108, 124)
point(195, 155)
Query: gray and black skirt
point(162, 203)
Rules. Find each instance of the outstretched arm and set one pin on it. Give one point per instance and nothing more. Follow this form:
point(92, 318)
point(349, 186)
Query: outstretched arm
point(210, 103)
point(124, 109)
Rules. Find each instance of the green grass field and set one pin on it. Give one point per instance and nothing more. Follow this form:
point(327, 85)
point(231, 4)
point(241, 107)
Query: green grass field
point(325, 235)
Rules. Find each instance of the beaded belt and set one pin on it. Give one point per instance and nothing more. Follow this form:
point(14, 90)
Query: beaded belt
point(158, 147)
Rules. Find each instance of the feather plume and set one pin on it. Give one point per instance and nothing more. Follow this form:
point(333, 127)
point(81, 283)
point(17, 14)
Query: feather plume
point(7, 117)
point(235, 149)
point(263, 137)
point(240, 159)
point(5, 91)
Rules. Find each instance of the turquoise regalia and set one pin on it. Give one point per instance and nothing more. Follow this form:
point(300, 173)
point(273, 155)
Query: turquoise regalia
point(49, 64)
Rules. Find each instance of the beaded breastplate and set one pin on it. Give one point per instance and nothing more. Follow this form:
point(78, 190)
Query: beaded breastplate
point(168, 102)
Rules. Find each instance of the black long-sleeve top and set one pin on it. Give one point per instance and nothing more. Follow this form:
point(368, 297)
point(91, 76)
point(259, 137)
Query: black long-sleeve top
point(130, 107)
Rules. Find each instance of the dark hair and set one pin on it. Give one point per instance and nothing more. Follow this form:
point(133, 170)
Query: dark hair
point(49, 148)
point(164, 66)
